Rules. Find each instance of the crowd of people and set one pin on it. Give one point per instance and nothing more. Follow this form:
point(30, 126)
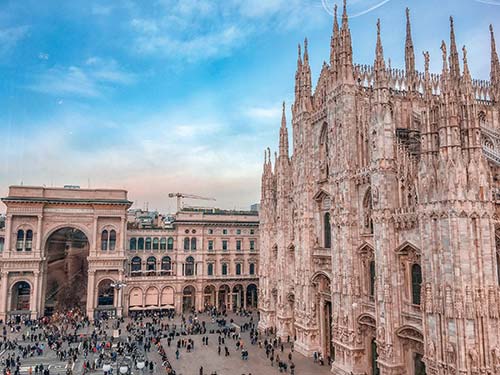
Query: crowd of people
point(149, 342)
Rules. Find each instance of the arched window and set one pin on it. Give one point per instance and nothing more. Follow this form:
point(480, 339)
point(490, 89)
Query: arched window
point(186, 243)
point(416, 283)
point(28, 244)
point(252, 269)
point(133, 243)
point(238, 268)
point(210, 269)
point(148, 243)
point(224, 268)
point(20, 240)
point(156, 243)
point(166, 265)
point(151, 264)
point(2, 243)
point(327, 231)
point(140, 244)
point(170, 243)
point(163, 243)
point(189, 266)
point(135, 266)
point(372, 279)
point(112, 240)
point(193, 243)
point(104, 240)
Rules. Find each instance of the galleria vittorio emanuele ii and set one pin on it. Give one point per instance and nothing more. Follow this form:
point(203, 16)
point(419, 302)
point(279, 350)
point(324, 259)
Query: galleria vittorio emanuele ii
point(369, 243)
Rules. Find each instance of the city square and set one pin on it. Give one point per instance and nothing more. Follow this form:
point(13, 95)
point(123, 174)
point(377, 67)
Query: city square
point(189, 362)
point(141, 232)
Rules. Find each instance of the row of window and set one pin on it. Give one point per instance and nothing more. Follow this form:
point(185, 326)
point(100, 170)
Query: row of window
point(226, 231)
point(163, 243)
point(189, 269)
point(152, 243)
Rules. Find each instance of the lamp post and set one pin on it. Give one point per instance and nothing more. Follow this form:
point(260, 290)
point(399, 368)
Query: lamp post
point(119, 285)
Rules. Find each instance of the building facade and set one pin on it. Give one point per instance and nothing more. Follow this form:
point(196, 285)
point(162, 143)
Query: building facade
point(68, 248)
point(380, 234)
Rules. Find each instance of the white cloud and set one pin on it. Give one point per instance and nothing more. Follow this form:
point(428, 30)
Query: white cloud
point(264, 113)
point(11, 36)
point(93, 79)
point(192, 30)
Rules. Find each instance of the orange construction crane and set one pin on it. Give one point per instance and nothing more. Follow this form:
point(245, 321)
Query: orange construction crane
point(179, 197)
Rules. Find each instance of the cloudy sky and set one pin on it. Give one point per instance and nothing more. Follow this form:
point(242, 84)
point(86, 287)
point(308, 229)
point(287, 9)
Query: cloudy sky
point(182, 95)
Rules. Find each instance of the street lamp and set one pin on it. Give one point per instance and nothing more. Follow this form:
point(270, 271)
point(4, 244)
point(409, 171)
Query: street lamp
point(119, 285)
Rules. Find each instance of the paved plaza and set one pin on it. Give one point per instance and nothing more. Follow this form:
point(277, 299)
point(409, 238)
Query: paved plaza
point(189, 363)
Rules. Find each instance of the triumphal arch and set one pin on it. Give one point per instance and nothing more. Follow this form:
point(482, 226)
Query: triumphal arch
point(64, 250)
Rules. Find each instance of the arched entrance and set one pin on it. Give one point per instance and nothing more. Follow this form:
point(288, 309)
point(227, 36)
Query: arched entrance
point(188, 298)
point(209, 296)
point(252, 296)
point(224, 294)
point(105, 298)
point(21, 294)
point(66, 270)
point(238, 296)
point(323, 301)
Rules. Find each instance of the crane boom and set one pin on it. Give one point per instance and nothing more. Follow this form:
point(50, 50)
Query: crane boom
point(179, 197)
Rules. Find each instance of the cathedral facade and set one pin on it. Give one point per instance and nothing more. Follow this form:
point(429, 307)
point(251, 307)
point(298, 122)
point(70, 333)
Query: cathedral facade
point(378, 236)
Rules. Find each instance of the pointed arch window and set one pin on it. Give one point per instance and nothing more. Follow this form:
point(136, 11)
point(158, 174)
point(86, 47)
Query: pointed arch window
point(327, 231)
point(186, 243)
point(170, 243)
point(20, 240)
point(133, 243)
point(112, 239)
point(416, 283)
point(193, 243)
point(28, 244)
point(104, 240)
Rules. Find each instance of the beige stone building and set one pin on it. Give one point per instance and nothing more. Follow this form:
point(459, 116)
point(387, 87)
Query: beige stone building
point(64, 248)
point(379, 235)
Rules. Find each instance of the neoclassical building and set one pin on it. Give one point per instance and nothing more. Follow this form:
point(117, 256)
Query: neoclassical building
point(379, 235)
point(65, 248)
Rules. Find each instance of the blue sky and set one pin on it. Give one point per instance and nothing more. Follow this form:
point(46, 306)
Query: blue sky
point(182, 95)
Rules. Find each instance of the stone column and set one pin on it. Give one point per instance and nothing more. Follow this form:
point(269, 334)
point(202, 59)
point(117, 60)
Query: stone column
point(244, 298)
point(35, 299)
point(38, 246)
point(216, 304)
point(91, 294)
point(8, 235)
point(3, 296)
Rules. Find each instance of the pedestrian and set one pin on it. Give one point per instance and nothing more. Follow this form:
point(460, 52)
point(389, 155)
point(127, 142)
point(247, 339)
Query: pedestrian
point(201, 370)
point(177, 354)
